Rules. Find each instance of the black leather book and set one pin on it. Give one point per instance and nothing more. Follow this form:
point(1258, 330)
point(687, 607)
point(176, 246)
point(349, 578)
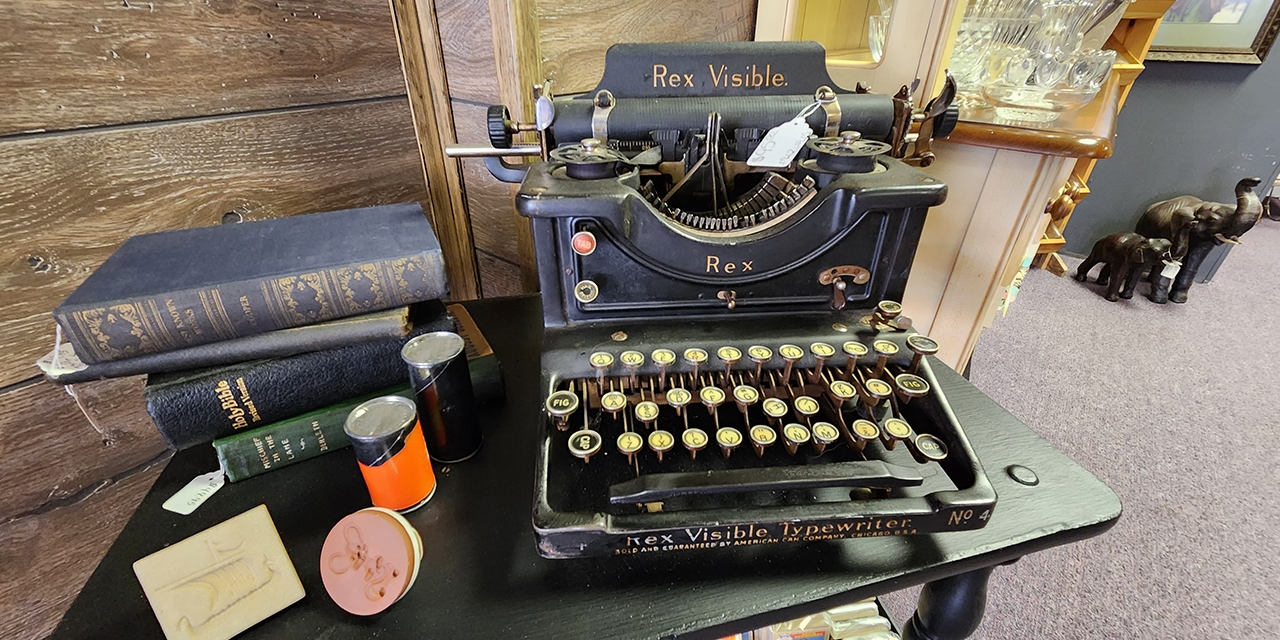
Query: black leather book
point(196, 407)
point(380, 325)
point(177, 289)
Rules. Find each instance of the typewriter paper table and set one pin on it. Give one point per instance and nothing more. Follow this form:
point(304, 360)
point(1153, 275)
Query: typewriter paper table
point(482, 577)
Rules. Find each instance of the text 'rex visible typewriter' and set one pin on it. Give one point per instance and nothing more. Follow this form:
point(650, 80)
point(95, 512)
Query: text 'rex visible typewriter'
point(723, 236)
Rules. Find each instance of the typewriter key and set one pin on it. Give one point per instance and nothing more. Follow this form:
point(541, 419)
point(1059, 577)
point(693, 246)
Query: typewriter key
point(841, 392)
point(629, 443)
point(884, 350)
point(613, 402)
point(728, 438)
point(601, 361)
point(824, 433)
point(759, 355)
point(584, 444)
point(926, 448)
point(854, 350)
point(793, 436)
point(694, 440)
point(647, 412)
point(895, 431)
point(922, 346)
point(561, 405)
point(631, 360)
point(695, 357)
point(791, 354)
point(877, 391)
point(806, 406)
point(745, 396)
point(712, 398)
point(729, 356)
point(661, 442)
point(774, 408)
point(821, 351)
point(910, 386)
point(762, 437)
point(864, 431)
point(663, 358)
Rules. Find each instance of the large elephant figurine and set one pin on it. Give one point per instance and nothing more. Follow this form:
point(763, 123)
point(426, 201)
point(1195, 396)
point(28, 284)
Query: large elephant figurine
point(1124, 256)
point(1204, 225)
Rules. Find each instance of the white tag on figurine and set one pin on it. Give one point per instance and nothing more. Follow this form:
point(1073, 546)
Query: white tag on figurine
point(1170, 269)
point(195, 493)
point(780, 146)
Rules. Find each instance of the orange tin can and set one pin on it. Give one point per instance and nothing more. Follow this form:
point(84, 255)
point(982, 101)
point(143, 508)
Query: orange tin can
point(392, 453)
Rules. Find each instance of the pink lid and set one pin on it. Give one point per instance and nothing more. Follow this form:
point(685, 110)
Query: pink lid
point(368, 561)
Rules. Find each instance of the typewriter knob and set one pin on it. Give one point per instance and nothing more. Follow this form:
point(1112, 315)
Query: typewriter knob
point(794, 435)
point(501, 127)
point(824, 433)
point(629, 444)
point(895, 431)
point(927, 448)
point(922, 346)
point(584, 444)
point(728, 438)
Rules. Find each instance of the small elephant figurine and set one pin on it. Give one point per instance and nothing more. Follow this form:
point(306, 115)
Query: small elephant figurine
point(1196, 227)
point(1124, 257)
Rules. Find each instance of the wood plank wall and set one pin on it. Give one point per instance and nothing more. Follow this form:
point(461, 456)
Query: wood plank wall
point(137, 116)
point(573, 36)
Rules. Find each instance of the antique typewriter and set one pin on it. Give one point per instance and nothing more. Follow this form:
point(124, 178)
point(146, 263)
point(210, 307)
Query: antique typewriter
point(725, 360)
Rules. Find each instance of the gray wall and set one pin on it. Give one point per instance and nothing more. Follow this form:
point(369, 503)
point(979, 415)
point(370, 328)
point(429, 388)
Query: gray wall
point(1187, 128)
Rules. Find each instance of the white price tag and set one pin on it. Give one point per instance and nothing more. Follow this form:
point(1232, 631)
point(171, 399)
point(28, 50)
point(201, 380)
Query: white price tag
point(781, 144)
point(1170, 269)
point(195, 493)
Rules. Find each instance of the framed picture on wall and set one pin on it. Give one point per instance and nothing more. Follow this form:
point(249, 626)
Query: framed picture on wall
point(1240, 31)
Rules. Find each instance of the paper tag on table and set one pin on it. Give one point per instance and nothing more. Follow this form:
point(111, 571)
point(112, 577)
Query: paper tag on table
point(195, 493)
point(781, 144)
point(1170, 269)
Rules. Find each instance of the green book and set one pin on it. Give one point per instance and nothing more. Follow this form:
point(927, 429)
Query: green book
point(283, 443)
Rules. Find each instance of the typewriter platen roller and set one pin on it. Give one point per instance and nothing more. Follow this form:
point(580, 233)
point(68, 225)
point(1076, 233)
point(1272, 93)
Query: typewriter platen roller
point(725, 361)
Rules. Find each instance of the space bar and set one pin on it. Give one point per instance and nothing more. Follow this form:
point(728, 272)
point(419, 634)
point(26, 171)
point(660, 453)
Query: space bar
point(660, 486)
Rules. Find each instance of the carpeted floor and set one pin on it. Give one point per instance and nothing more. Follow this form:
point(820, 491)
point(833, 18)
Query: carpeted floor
point(1176, 408)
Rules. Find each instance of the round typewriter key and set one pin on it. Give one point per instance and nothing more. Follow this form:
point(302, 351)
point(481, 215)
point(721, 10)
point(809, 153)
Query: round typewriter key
point(759, 355)
point(586, 291)
point(877, 391)
point(695, 358)
point(762, 437)
point(729, 355)
point(561, 405)
point(677, 398)
point(647, 412)
point(629, 443)
point(922, 346)
point(661, 442)
point(793, 436)
point(728, 438)
point(791, 354)
point(821, 351)
point(601, 361)
point(663, 358)
point(694, 440)
point(712, 397)
point(889, 309)
point(806, 406)
point(584, 444)
point(632, 359)
point(824, 433)
point(613, 402)
point(911, 386)
point(864, 431)
point(842, 392)
point(854, 350)
point(745, 396)
point(774, 408)
point(584, 243)
point(928, 448)
point(895, 430)
point(884, 350)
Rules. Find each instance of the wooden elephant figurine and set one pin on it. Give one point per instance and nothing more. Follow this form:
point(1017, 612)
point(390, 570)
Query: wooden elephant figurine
point(1195, 227)
point(1124, 257)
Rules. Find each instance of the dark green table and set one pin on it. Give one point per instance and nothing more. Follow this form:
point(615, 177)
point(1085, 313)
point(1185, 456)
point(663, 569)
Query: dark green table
point(482, 577)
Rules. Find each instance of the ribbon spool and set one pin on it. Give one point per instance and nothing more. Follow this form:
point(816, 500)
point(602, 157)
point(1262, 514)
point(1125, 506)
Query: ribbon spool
point(589, 160)
point(847, 153)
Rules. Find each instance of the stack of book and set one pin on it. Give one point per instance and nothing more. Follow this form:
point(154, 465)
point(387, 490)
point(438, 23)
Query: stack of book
point(261, 336)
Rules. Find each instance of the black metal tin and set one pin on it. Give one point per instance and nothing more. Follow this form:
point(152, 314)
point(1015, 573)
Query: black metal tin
point(442, 390)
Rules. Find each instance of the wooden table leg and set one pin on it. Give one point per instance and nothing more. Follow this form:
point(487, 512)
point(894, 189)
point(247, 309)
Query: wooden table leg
point(950, 608)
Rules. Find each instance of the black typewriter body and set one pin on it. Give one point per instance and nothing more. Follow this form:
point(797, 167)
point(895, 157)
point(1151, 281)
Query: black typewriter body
point(725, 361)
